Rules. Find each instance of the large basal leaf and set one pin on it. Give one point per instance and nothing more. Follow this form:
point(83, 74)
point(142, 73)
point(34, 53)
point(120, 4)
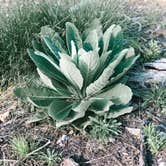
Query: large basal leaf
point(59, 42)
point(100, 105)
point(77, 113)
point(114, 113)
point(119, 94)
point(48, 32)
point(122, 71)
point(37, 46)
point(124, 66)
point(60, 88)
point(72, 34)
point(88, 64)
point(113, 42)
point(106, 37)
point(59, 109)
point(70, 70)
point(103, 80)
point(20, 93)
point(46, 65)
point(63, 89)
point(104, 61)
point(116, 40)
point(52, 47)
point(41, 101)
point(46, 80)
point(92, 39)
point(74, 53)
point(95, 25)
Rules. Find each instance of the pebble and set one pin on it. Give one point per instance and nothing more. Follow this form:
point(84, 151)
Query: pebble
point(63, 140)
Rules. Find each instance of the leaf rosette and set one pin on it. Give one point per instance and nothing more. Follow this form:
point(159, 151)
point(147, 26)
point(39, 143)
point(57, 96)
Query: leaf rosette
point(82, 77)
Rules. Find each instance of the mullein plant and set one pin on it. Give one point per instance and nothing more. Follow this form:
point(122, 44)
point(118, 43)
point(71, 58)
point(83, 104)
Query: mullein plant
point(82, 78)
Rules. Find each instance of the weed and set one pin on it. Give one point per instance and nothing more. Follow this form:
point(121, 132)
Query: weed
point(152, 51)
point(156, 97)
point(103, 129)
point(155, 140)
point(20, 146)
point(51, 158)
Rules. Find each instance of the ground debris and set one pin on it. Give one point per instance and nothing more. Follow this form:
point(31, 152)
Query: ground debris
point(69, 162)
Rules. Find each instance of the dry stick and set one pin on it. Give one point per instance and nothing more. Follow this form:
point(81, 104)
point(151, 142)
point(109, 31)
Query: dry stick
point(100, 158)
point(8, 160)
point(29, 154)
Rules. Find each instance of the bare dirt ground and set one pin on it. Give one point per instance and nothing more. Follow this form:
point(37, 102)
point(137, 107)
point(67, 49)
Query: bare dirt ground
point(124, 150)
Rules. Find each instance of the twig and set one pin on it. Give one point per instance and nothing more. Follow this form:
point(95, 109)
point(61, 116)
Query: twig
point(29, 154)
point(100, 158)
point(8, 160)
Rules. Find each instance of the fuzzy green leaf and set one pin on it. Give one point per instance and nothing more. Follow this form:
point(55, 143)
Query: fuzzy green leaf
point(55, 85)
point(92, 39)
point(114, 113)
point(88, 64)
point(20, 93)
point(74, 53)
point(41, 101)
point(59, 42)
point(106, 37)
point(124, 66)
point(77, 113)
point(72, 34)
point(47, 65)
point(100, 105)
point(59, 109)
point(115, 39)
point(70, 70)
point(46, 80)
point(103, 80)
point(52, 47)
point(119, 94)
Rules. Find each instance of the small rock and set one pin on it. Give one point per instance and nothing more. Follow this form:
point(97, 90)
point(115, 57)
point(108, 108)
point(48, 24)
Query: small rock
point(161, 162)
point(163, 110)
point(157, 65)
point(112, 140)
point(153, 73)
point(4, 116)
point(69, 162)
point(63, 140)
point(160, 33)
point(134, 131)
